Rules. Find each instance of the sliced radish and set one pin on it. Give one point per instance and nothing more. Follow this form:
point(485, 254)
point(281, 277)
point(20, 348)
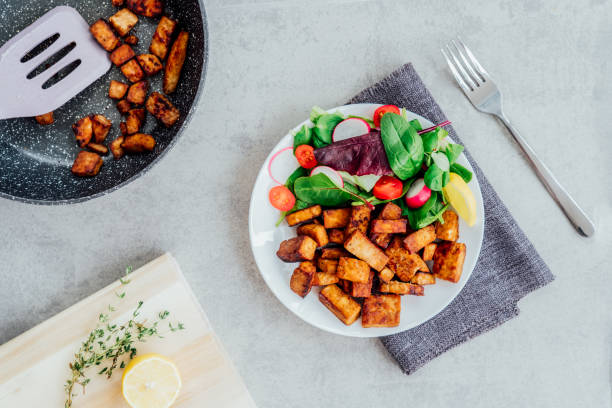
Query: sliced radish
point(282, 164)
point(417, 194)
point(350, 127)
point(333, 175)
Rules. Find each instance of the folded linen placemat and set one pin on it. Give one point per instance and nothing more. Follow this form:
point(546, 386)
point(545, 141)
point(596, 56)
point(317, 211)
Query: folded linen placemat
point(508, 266)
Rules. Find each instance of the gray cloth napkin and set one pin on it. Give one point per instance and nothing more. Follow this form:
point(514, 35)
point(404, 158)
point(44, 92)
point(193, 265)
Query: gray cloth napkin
point(508, 267)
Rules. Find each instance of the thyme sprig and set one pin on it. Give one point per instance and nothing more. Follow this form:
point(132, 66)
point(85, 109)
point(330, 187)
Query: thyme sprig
point(108, 343)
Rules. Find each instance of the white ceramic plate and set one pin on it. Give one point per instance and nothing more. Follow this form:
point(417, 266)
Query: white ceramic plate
point(266, 238)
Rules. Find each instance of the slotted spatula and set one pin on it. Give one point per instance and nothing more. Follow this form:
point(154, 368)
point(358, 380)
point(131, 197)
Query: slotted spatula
point(33, 84)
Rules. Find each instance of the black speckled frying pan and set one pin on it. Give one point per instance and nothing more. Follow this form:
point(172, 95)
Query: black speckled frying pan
point(35, 160)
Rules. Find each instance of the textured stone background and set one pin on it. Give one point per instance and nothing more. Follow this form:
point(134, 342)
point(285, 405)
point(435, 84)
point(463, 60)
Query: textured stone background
point(270, 62)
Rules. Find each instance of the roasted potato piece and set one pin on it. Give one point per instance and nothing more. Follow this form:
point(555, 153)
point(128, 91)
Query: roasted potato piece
point(339, 303)
point(328, 265)
point(122, 54)
point(353, 270)
point(381, 311)
point(162, 37)
point(175, 62)
point(117, 3)
point(333, 253)
point(83, 131)
point(324, 279)
point(316, 232)
point(391, 212)
point(388, 226)
point(147, 8)
point(104, 35)
point(403, 263)
point(302, 279)
point(449, 231)
point(132, 71)
point(300, 216)
point(360, 246)
point(386, 275)
point(401, 288)
point(382, 240)
point(418, 239)
point(98, 148)
point(336, 236)
point(161, 107)
point(359, 220)
point(123, 106)
point(101, 126)
point(336, 218)
point(45, 119)
point(117, 89)
point(123, 21)
point(115, 148)
point(134, 121)
point(131, 39)
point(297, 249)
point(362, 290)
point(448, 261)
point(138, 143)
point(86, 164)
point(423, 278)
point(138, 93)
point(428, 251)
point(149, 63)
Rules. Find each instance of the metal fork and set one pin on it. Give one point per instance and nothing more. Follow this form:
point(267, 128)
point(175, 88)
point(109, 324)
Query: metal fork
point(484, 94)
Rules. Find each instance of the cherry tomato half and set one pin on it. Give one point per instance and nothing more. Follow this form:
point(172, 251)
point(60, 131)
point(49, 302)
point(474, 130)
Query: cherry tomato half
point(380, 112)
point(388, 188)
point(305, 156)
point(281, 198)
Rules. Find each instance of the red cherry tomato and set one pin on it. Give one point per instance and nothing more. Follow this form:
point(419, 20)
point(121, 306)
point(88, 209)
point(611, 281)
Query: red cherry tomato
point(380, 112)
point(305, 156)
point(388, 188)
point(281, 198)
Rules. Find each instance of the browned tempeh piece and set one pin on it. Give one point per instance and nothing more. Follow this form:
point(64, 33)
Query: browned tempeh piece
point(297, 249)
point(360, 246)
point(381, 311)
point(174, 64)
point(339, 303)
point(306, 214)
point(418, 239)
point(448, 261)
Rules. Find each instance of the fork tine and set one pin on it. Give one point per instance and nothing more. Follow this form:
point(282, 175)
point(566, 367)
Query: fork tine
point(461, 69)
point(483, 72)
point(460, 81)
point(478, 79)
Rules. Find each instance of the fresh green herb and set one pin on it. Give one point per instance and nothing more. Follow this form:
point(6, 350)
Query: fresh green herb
point(319, 189)
point(403, 145)
point(453, 151)
point(302, 136)
point(128, 270)
point(464, 173)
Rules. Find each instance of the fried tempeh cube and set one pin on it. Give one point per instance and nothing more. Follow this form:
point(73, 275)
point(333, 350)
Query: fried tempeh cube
point(134, 121)
point(362, 290)
point(340, 304)
point(115, 148)
point(104, 35)
point(334, 253)
point(328, 265)
point(150, 63)
point(428, 251)
point(449, 231)
point(174, 64)
point(45, 119)
point(316, 232)
point(138, 143)
point(418, 239)
point(123, 21)
point(101, 126)
point(98, 148)
point(336, 218)
point(83, 131)
point(123, 106)
point(117, 3)
point(336, 236)
point(402, 262)
point(360, 246)
point(123, 128)
point(354, 270)
point(117, 89)
point(297, 249)
point(324, 279)
point(401, 288)
point(423, 278)
point(386, 275)
point(87, 164)
point(303, 278)
point(162, 37)
point(359, 220)
point(382, 240)
point(391, 212)
point(381, 311)
point(161, 107)
point(138, 93)
point(132, 71)
point(147, 8)
point(388, 226)
point(131, 39)
point(306, 214)
point(448, 261)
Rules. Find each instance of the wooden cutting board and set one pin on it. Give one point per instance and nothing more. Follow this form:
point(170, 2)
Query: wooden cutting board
point(34, 366)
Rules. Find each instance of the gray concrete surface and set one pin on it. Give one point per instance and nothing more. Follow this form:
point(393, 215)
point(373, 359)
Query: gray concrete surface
point(270, 62)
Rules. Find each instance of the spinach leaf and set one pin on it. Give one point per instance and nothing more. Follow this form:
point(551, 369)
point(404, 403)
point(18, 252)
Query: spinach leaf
point(302, 136)
point(440, 160)
point(453, 151)
point(299, 172)
point(416, 124)
point(403, 145)
point(465, 174)
point(430, 141)
point(324, 127)
point(319, 189)
point(315, 113)
point(434, 178)
point(430, 212)
point(365, 182)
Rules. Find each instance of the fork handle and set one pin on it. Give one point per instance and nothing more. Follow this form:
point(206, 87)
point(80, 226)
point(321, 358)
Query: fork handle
point(572, 210)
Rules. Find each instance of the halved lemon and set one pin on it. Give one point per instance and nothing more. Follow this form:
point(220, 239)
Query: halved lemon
point(459, 195)
point(150, 381)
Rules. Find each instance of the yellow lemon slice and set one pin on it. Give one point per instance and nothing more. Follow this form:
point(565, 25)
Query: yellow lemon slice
point(459, 195)
point(150, 381)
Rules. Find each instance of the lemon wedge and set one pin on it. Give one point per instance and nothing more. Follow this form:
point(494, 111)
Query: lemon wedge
point(459, 195)
point(150, 381)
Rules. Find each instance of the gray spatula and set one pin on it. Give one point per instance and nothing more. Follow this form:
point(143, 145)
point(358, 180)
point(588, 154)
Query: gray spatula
point(33, 84)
